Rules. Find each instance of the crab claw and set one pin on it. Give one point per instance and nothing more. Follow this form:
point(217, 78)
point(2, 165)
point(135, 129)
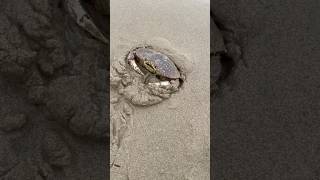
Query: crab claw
point(133, 64)
point(161, 83)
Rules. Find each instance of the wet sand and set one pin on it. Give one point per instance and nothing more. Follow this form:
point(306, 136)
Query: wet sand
point(169, 140)
point(267, 126)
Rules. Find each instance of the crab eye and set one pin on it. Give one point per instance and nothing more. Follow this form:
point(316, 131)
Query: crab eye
point(150, 66)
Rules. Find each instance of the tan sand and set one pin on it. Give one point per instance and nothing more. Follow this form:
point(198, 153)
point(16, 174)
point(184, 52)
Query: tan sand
point(170, 140)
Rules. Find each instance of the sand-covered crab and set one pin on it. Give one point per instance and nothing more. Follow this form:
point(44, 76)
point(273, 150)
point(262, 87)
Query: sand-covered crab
point(156, 68)
point(149, 72)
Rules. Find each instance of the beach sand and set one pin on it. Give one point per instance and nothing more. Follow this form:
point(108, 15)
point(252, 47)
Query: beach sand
point(267, 125)
point(169, 140)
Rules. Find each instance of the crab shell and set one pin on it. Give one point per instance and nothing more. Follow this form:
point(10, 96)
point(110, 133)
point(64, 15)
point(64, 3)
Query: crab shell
point(162, 63)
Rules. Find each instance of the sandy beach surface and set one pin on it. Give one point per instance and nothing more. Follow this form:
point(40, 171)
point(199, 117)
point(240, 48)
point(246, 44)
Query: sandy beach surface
point(169, 140)
point(267, 126)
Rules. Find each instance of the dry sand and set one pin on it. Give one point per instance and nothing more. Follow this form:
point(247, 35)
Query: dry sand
point(169, 140)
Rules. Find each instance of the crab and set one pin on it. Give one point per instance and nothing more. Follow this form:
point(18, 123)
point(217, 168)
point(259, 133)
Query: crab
point(156, 68)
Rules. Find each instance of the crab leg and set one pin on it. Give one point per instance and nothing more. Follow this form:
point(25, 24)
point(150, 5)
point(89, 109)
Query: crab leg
point(133, 63)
